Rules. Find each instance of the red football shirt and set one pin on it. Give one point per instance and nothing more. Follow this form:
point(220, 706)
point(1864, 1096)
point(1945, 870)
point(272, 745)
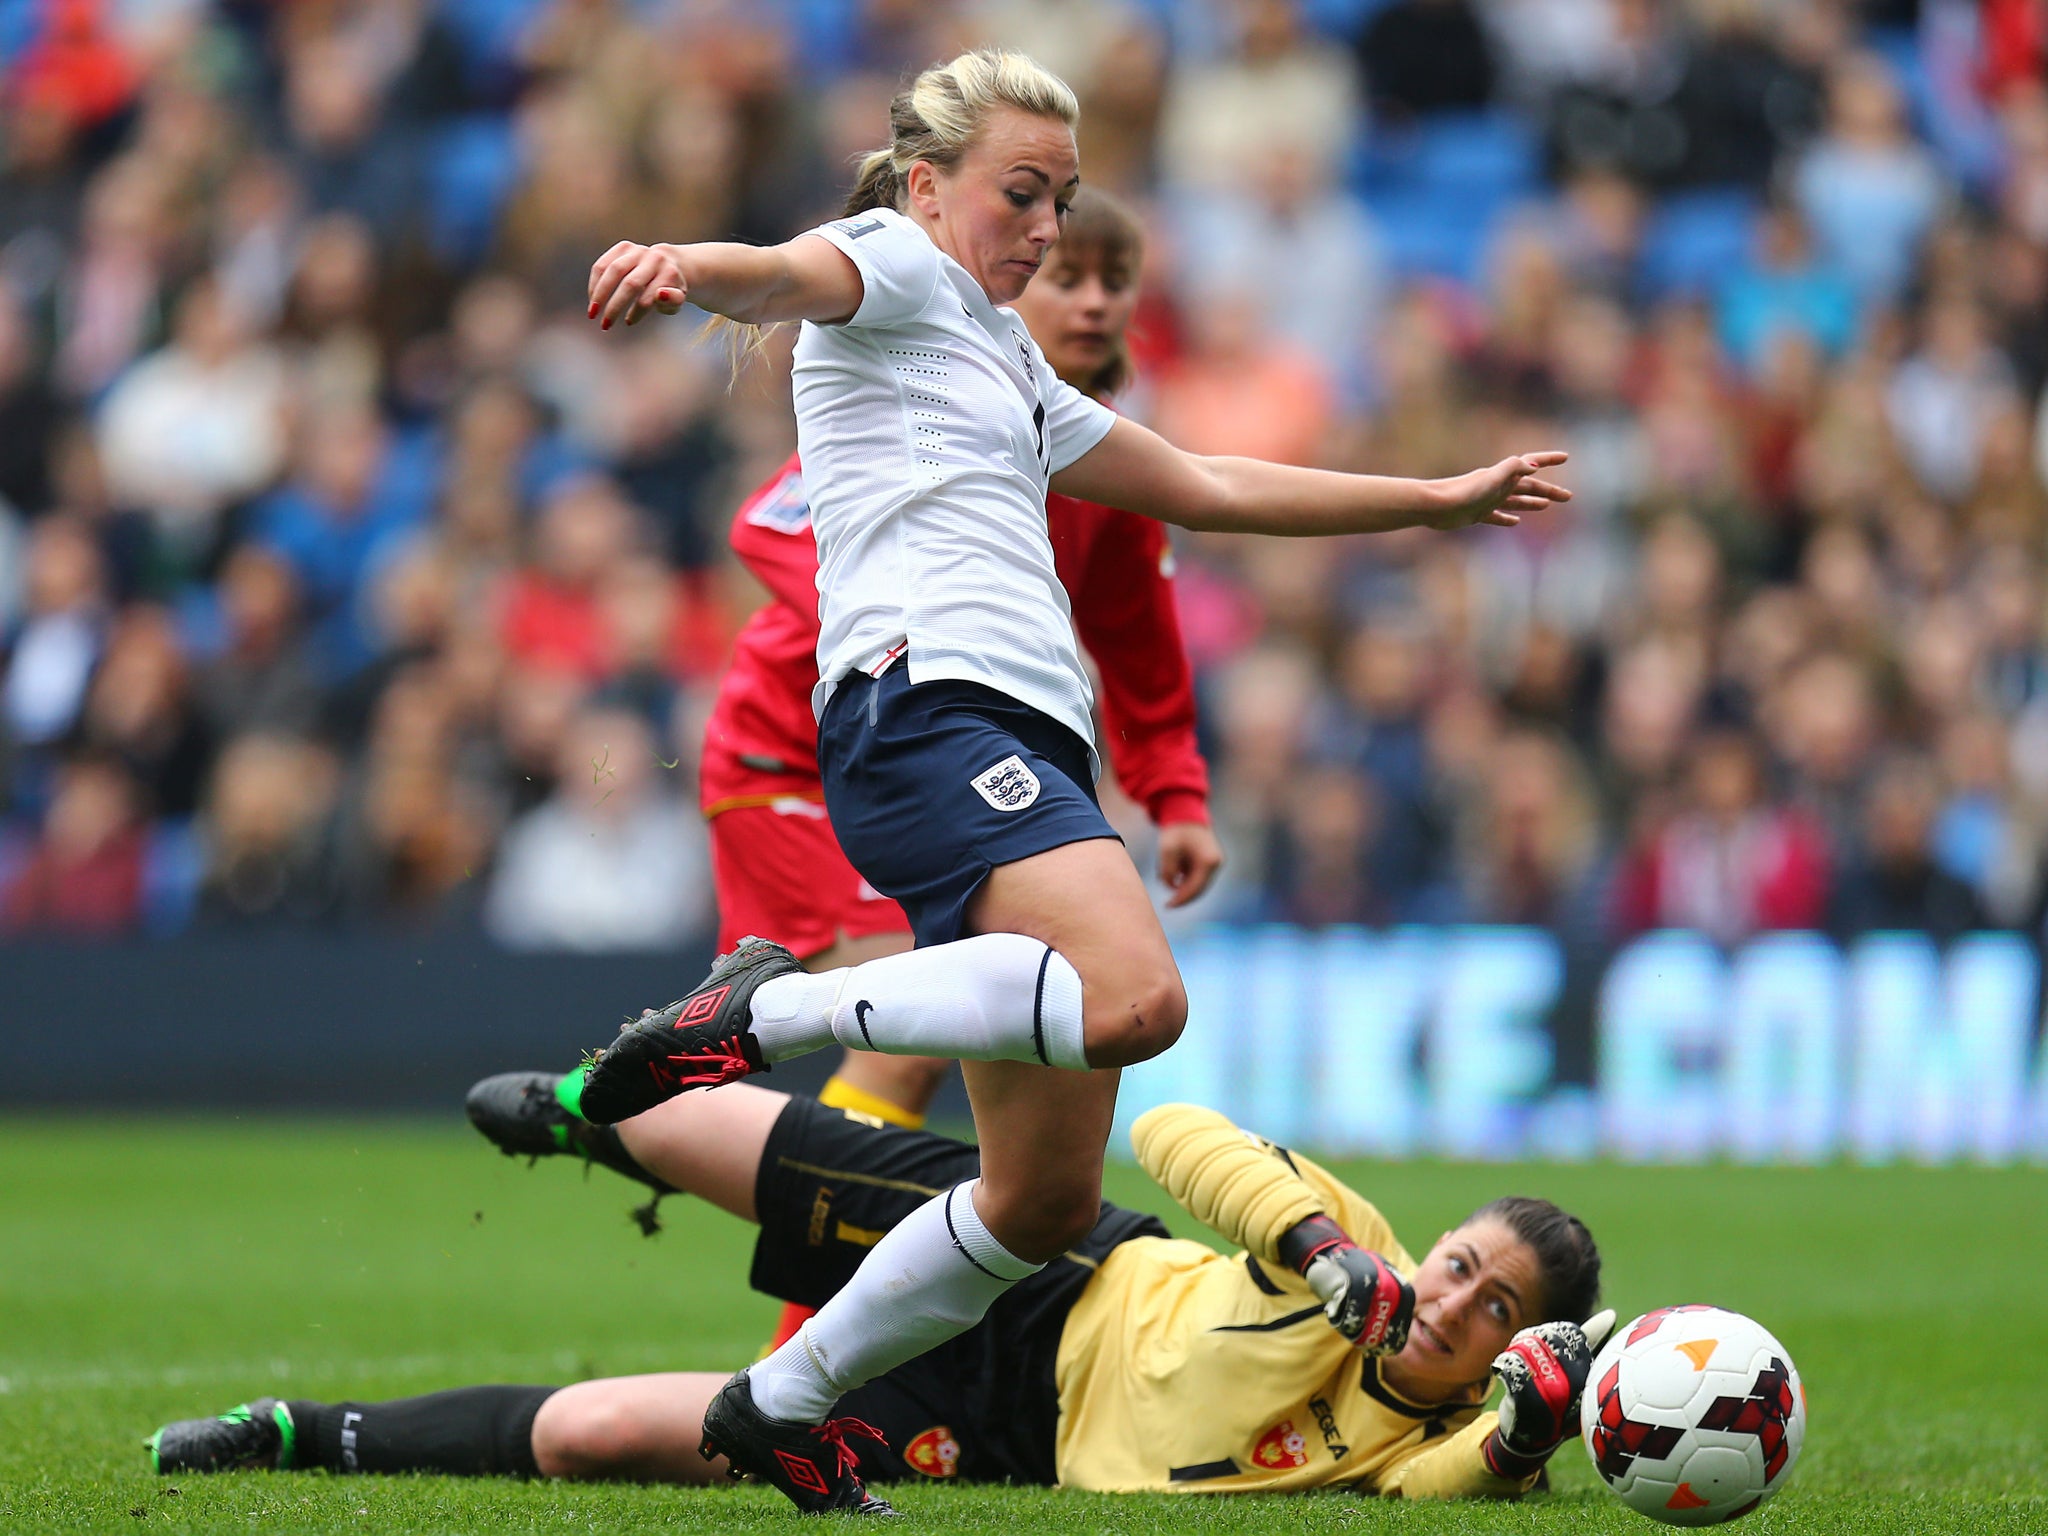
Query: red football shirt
point(761, 742)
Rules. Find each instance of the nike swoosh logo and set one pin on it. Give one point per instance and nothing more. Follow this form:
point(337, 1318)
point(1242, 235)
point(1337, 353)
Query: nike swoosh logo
point(861, 1010)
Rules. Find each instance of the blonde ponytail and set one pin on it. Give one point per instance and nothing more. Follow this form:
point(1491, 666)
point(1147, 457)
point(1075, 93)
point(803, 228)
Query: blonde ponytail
point(935, 120)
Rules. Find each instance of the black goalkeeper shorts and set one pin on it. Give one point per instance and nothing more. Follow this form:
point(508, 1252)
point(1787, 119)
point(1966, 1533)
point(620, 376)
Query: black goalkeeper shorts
point(982, 1406)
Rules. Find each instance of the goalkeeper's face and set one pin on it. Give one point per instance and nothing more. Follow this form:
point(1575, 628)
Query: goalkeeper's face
point(1473, 1290)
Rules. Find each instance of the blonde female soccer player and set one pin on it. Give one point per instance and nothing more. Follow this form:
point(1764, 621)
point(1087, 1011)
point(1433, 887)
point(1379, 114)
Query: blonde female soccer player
point(1132, 1362)
point(775, 858)
point(777, 864)
point(954, 737)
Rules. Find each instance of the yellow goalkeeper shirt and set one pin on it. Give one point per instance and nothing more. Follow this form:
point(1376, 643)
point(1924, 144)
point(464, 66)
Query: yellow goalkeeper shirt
point(1183, 1370)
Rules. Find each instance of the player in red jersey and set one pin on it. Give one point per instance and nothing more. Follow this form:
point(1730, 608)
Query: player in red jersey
point(778, 867)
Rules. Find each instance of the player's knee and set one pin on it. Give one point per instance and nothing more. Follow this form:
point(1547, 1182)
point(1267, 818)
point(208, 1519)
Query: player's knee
point(596, 1439)
point(1136, 1021)
point(1041, 1224)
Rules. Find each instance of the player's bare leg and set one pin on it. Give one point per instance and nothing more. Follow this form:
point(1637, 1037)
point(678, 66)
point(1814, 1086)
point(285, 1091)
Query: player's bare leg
point(1088, 902)
point(644, 1428)
point(1043, 1132)
point(708, 1144)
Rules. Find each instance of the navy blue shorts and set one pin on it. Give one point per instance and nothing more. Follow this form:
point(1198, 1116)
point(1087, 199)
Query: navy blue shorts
point(931, 786)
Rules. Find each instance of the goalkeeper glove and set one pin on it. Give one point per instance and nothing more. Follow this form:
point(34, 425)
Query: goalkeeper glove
point(1544, 1369)
point(1362, 1296)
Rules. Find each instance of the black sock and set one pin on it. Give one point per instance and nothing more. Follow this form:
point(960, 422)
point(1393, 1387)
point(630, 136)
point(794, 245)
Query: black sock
point(466, 1432)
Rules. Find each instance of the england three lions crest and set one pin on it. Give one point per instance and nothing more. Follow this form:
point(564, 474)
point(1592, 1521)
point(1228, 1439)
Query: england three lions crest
point(1009, 786)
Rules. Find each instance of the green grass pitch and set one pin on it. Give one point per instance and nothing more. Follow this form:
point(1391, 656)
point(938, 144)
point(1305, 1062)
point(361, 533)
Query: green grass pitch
point(163, 1269)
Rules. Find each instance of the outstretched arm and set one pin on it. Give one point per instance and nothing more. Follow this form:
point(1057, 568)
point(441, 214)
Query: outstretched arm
point(1140, 471)
point(807, 278)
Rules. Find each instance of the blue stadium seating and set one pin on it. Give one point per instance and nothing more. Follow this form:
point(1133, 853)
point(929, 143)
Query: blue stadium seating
point(471, 168)
point(1693, 240)
point(1438, 187)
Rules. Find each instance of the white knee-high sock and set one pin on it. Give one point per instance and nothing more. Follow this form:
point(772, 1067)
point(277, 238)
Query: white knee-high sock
point(932, 1276)
point(994, 997)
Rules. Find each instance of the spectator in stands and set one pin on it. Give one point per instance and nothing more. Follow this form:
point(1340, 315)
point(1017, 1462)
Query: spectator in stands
point(29, 414)
point(1424, 56)
point(336, 354)
point(1869, 192)
point(348, 154)
point(141, 712)
point(536, 707)
point(1810, 483)
point(75, 62)
point(263, 678)
point(52, 653)
point(577, 186)
point(1784, 289)
point(1944, 395)
point(1384, 679)
point(350, 503)
point(553, 616)
point(1824, 724)
point(1745, 101)
point(83, 877)
point(1317, 861)
point(1892, 880)
point(613, 860)
point(1652, 702)
point(413, 834)
point(269, 834)
point(195, 428)
point(1530, 838)
point(1263, 700)
point(1293, 217)
point(45, 175)
point(659, 636)
point(670, 446)
point(1729, 863)
point(1239, 390)
point(1983, 834)
point(112, 285)
point(1279, 86)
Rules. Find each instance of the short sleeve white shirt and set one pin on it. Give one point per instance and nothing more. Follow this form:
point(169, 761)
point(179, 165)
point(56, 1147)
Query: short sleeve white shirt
point(929, 426)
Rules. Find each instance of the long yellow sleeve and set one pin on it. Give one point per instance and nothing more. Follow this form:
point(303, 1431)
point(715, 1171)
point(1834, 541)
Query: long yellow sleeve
point(1236, 1184)
point(1454, 1469)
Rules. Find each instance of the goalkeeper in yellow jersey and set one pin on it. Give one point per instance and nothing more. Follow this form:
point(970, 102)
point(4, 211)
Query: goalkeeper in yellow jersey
point(1321, 1354)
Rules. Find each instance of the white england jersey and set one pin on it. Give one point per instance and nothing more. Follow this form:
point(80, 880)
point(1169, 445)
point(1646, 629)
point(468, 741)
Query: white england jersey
point(929, 425)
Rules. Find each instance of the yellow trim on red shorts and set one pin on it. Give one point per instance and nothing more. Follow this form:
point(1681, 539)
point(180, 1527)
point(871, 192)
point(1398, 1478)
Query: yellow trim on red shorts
point(761, 802)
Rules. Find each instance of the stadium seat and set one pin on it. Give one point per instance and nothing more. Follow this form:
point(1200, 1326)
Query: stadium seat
point(1435, 231)
point(1342, 18)
point(1693, 240)
point(471, 169)
point(173, 865)
point(1487, 154)
point(1439, 186)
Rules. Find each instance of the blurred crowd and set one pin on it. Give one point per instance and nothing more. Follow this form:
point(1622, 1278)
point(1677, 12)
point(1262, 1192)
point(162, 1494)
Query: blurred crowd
point(348, 575)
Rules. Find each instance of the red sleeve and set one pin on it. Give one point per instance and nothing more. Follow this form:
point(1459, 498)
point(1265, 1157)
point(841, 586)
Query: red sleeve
point(771, 534)
point(1793, 893)
point(1124, 613)
point(1633, 897)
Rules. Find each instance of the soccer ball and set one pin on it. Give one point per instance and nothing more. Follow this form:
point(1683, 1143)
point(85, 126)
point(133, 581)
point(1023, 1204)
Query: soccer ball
point(1694, 1415)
